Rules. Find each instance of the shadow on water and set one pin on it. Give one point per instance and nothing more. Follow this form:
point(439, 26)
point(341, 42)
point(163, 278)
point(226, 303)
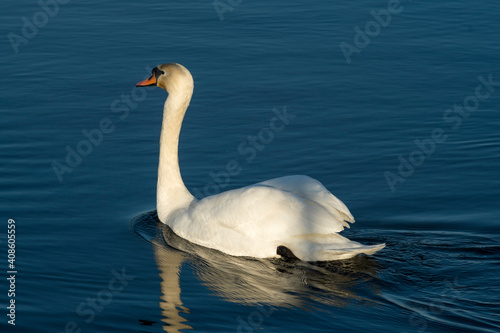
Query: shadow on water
point(250, 281)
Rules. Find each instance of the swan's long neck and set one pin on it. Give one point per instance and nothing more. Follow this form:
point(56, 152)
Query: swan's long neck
point(171, 193)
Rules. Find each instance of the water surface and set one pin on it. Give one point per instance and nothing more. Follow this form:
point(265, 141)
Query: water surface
point(353, 124)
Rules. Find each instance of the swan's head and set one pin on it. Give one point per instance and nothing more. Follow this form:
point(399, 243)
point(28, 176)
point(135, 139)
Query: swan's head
point(170, 77)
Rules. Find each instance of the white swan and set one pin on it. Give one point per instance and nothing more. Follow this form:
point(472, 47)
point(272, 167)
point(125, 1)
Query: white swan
point(292, 215)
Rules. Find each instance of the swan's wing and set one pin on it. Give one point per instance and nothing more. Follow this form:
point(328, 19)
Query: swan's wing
point(255, 219)
point(296, 212)
point(264, 207)
point(312, 190)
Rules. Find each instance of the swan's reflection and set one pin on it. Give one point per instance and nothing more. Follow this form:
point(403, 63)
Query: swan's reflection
point(169, 262)
point(270, 282)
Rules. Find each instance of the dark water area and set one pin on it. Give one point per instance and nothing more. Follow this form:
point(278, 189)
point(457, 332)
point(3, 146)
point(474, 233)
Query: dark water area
point(394, 107)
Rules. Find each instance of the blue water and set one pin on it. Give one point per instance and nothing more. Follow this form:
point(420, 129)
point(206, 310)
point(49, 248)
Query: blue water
point(90, 253)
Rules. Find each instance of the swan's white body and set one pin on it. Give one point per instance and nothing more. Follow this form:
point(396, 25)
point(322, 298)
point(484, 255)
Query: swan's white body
point(295, 211)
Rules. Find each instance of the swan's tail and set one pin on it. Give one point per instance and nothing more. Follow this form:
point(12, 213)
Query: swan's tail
point(326, 247)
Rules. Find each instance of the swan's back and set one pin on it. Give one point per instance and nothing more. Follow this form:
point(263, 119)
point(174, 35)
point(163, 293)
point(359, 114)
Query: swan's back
point(296, 212)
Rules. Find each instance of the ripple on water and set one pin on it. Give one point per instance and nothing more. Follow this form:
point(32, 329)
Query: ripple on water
point(437, 278)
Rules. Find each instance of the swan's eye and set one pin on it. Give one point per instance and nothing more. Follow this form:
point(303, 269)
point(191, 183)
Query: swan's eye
point(157, 72)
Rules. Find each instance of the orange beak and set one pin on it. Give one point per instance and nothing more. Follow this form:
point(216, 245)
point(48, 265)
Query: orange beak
point(150, 81)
